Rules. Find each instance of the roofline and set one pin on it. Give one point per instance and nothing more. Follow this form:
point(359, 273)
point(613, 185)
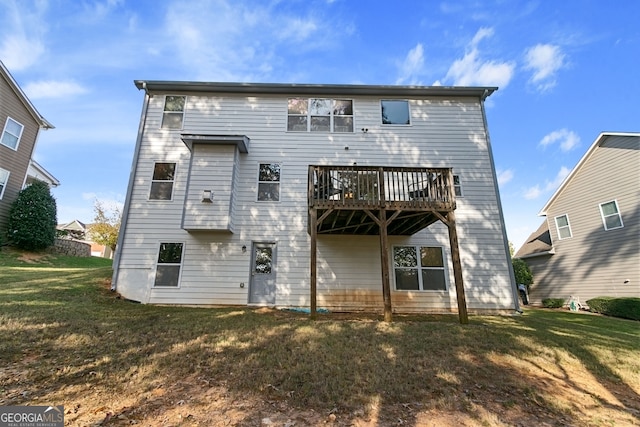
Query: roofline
point(44, 124)
point(481, 92)
point(582, 161)
point(536, 254)
point(54, 181)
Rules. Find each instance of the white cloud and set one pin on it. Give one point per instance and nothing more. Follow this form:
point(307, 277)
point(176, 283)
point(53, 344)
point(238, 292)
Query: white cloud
point(544, 60)
point(53, 89)
point(566, 138)
point(412, 66)
point(473, 70)
point(22, 31)
point(505, 176)
point(549, 186)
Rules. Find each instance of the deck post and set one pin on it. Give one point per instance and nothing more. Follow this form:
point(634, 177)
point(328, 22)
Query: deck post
point(313, 278)
point(457, 268)
point(384, 260)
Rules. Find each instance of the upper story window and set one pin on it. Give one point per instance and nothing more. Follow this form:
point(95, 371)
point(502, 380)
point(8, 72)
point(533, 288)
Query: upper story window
point(173, 113)
point(169, 264)
point(563, 227)
point(419, 268)
point(457, 185)
point(611, 215)
point(320, 115)
point(269, 182)
point(11, 133)
point(162, 181)
point(395, 112)
point(4, 178)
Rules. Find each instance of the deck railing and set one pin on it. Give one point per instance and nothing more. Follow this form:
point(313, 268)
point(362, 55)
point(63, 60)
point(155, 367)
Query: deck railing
point(354, 187)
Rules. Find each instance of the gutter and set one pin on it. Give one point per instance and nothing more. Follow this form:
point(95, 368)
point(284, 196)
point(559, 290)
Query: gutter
point(127, 202)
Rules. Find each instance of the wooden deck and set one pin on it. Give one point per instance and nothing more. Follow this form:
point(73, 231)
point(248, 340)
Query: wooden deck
point(344, 198)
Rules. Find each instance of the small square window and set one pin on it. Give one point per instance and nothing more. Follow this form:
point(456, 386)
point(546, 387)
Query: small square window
point(162, 181)
point(173, 113)
point(563, 227)
point(611, 217)
point(169, 264)
point(4, 178)
point(11, 134)
point(395, 112)
point(269, 182)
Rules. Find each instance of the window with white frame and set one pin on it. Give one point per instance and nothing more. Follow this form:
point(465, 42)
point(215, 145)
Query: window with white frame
point(320, 115)
point(419, 268)
point(162, 181)
point(269, 182)
point(11, 133)
point(169, 264)
point(611, 217)
point(173, 113)
point(395, 112)
point(4, 178)
point(563, 227)
point(457, 185)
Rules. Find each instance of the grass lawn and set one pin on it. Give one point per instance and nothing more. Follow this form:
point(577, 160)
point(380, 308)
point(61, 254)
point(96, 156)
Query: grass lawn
point(65, 339)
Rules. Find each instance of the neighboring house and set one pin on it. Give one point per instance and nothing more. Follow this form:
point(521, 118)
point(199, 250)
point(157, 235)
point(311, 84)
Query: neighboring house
point(36, 172)
point(21, 124)
point(333, 196)
point(589, 244)
point(77, 230)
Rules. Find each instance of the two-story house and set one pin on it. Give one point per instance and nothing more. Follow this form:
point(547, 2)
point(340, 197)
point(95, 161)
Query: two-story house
point(344, 197)
point(589, 244)
point(21, 124)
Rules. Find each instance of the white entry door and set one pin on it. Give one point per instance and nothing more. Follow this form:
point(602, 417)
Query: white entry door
point(262, 287)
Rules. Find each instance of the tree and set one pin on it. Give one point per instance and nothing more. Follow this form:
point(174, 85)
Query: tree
point(33, 218)
point(522, 272)
point(106, 225)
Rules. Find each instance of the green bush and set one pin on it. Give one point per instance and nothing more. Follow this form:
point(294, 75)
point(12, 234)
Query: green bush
point(626, 308)
point(552, 302)
point(522, 272)
point(32, 218)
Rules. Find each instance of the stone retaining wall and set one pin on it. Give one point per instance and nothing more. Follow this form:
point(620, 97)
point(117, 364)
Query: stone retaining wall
point(71, 248)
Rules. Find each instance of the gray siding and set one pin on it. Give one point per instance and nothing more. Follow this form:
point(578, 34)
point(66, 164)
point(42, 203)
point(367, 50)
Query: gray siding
point(16, 162)
point(443, 133)
point(595, 262)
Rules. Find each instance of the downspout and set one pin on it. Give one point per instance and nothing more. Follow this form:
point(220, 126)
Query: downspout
point(505, 239)
point(127, 201)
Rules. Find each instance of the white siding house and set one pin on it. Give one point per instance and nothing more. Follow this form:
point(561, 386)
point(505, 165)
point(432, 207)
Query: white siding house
point(227, 180)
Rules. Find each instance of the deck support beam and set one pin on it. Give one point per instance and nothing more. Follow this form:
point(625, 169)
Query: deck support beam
point(457, 267)
point(313, 279)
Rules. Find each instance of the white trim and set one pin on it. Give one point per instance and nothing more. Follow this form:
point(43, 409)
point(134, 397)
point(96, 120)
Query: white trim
point(555, 220)
point(604, 222)
point(181, 265)
point(4, 185)
point(6, 131)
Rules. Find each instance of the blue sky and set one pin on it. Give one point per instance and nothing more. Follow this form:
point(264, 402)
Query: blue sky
point(566, 71)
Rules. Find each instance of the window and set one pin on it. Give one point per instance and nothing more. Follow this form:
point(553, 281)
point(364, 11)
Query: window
point(395, 112)
point(564, 229)
point(11, 133)
point(419, 268)
point(319, 115)
point(173, 113)
point(611, 215)
point(162, 181)
point(269, 182)
point(457, 186)
point(4, 178)
point(169, 263)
